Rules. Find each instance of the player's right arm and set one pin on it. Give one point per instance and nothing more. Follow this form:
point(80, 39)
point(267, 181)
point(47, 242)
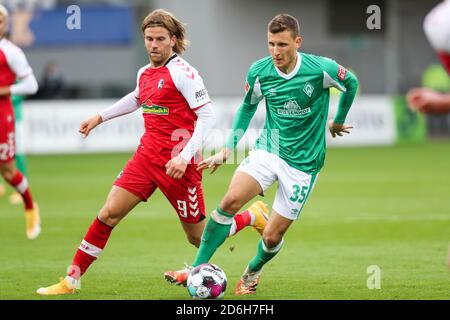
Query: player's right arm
point(240, 124)
point(126, 105)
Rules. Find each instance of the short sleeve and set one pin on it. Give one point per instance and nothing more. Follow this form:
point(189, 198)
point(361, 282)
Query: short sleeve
point(253, 94)
point(334, 75)
point(190, 84)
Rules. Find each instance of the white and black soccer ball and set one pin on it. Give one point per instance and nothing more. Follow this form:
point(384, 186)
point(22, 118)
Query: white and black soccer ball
point(207, 281)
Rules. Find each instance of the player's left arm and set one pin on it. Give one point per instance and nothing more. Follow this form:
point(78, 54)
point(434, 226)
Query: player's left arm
point(28, 84)
point(345, 81)
point(191, 86)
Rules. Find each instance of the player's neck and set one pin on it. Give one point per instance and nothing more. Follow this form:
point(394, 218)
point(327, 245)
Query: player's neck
point(163, 63)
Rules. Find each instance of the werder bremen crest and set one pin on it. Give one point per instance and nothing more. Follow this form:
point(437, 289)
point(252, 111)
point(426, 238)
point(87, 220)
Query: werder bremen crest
point(308, 89)
point(291, 108)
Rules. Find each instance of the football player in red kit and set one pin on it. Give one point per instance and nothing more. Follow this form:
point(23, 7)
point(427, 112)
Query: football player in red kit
point(437, 29)
point(14, 66)
point(177, 112)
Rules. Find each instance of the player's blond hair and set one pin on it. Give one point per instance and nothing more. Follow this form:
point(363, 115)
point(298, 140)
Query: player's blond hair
point(3, 11)
point(282, 22)
point(165, 19)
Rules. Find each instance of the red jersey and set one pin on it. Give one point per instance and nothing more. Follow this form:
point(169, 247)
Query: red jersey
point(13, 65)
point(168, 96)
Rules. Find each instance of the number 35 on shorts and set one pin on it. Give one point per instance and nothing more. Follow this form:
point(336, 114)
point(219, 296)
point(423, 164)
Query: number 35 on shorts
point(299, 194)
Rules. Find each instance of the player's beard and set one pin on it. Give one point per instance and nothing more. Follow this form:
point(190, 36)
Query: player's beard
point(161, 57)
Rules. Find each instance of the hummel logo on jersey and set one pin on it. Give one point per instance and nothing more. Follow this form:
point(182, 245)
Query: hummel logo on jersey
point(308, 89)
point(160, 84)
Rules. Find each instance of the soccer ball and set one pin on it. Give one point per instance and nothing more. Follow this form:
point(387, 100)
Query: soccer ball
point(207, 281)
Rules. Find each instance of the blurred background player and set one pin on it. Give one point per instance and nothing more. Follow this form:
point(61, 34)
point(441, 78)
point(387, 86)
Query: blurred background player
point(16, 198)
point(291, 149)
point(437, 29)
point(176, 107)
point(14, 66)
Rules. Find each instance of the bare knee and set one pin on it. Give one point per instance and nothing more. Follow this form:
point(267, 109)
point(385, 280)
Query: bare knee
point(194, 240)
point(110, 215)
point(231, 203)
point(272, 239)
point(7, 171)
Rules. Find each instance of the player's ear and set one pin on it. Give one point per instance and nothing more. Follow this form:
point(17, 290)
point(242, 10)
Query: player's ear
point(173, 41)
point(298, 41)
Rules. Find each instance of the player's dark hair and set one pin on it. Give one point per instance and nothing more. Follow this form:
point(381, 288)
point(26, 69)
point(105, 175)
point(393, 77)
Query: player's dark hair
point(165, 19)
point(282, 22)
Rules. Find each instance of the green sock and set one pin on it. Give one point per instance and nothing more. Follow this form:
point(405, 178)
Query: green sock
point(263, 255)
point(21, 163)
point(216, 231)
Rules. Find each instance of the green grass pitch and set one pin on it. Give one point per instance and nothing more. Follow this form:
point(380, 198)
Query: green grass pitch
point(388, 207)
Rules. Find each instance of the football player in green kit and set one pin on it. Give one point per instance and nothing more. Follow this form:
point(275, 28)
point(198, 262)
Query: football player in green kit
point(291, 148)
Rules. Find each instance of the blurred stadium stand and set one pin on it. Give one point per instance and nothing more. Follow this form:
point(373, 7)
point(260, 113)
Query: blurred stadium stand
point(226, 37)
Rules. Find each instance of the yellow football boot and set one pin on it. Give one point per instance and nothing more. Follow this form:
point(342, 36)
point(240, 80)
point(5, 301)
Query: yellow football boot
point(33, 220)
point(63, 287)
point(260, 210)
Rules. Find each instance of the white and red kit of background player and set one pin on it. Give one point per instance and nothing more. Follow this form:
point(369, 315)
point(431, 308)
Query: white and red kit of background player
point(13, 65)
point(437, 29)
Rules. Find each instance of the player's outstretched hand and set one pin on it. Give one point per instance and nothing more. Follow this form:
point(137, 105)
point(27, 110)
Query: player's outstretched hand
point(214, 161)
point(87, 125)
point(427, 101)
point(176, 167)
point(338, 129)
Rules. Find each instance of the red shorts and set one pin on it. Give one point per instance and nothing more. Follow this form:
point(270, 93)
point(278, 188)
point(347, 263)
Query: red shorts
point(141, 177)
point(7, 136)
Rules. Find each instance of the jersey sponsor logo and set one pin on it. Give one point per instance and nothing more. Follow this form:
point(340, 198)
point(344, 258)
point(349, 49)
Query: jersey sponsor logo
point(155, 110)
point(341, 73)
point(308, 89)
point(291, 108)
point(149, 108)
point(201, 95)
point(160, 84)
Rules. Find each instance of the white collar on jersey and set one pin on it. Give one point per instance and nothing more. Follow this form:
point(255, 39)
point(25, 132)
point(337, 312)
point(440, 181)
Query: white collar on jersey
point(293, 72)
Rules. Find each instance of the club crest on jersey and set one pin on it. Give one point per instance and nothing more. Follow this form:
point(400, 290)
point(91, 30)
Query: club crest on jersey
point(160, 84)
point(247, 87)
point(308, 89)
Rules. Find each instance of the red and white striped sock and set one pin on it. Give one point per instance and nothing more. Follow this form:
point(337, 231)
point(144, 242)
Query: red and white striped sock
point(20, 183)
point(240, 221)
point(90, 248)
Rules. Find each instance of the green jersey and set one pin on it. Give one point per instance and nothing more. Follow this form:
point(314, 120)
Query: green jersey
point(17, 104)
point(296, 108)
